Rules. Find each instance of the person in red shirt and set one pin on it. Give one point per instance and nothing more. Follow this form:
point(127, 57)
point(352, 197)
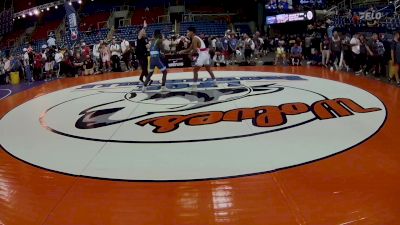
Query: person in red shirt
point(85, 50)
point(38, 67)
point(356, 19)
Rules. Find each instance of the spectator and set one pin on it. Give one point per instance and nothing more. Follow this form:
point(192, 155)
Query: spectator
point(329, 31)
point(115, 49)
point(16, 65)
point(315, 58)
point(58, 59)
point(7, 69)
point(78, 65)
point(377, 60)
point(225, 44)
point(1, 65)
point(387, 57)
point(307, 45)
point(280, 53)
point(355, 49)
point(2, 72)
point(38, 67)
point(174, 43)
point(88, 65)
point(232, 47)
point(167, 43)
point(49, 62)
point(28, 67)
point(347, 54)
point(51, 42)
point(96, 54)
point(395, 59)
point(296, 54)
point(85, 50)
point(106, 57)
point(325, 50)
point(77, 50)
point(356, 19)
point(126, 54)
point(205, 40)
point(219, 59)
point(31, 56)
point(315, 42)
point(219, 45)
point(67, 65)
point(336, 50)
point(214, 44)
point(365, 54)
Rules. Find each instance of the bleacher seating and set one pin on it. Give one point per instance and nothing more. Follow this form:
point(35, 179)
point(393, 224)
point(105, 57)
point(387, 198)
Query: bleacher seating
point(87, 21)
point(151, 16)
point(9, 39)
point(131, 32)
point(243, 28)
point(91, 37)
point(41, 32)
point(92, 8)
point(165, 28)
point(209, 28)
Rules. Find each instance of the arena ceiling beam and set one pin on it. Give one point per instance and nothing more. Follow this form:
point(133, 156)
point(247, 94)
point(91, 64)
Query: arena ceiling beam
point(38, 9)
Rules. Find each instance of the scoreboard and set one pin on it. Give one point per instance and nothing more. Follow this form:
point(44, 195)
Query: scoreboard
point(290, 17)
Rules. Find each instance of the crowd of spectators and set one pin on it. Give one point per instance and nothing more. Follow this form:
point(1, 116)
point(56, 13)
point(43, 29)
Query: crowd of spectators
point(319, 46)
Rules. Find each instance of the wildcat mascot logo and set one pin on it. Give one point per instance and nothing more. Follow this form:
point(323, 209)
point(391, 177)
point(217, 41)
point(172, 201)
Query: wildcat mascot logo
point(182, 107)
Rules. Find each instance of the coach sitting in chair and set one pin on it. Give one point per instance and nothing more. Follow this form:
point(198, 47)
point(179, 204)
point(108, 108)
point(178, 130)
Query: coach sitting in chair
point(296, 54)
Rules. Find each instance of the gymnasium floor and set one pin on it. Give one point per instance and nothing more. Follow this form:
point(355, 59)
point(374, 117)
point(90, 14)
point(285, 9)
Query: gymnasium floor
point(266, 145)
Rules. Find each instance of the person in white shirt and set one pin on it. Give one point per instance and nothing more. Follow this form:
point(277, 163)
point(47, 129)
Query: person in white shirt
point(214, 43)
point(7, 69)
point(96, 55)
point(115, 49)
point(51, 42)
point(355, 49)
point(126, 54)
point(167, 45)
point(219, 59)
point(58, 58)
point(106, 57)
point(96, 51)
point(174, 43)
point(125, 46)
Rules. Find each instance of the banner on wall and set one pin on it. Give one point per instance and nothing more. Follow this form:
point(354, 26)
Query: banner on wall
point(72, 20)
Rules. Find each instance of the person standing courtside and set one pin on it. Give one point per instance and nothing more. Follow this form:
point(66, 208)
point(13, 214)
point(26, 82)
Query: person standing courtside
point(115, 49)
point(105, 57)
point(395, 53)
point(126, 54)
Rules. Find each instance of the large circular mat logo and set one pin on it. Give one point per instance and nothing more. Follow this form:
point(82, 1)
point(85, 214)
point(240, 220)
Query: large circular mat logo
point(246, 123)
